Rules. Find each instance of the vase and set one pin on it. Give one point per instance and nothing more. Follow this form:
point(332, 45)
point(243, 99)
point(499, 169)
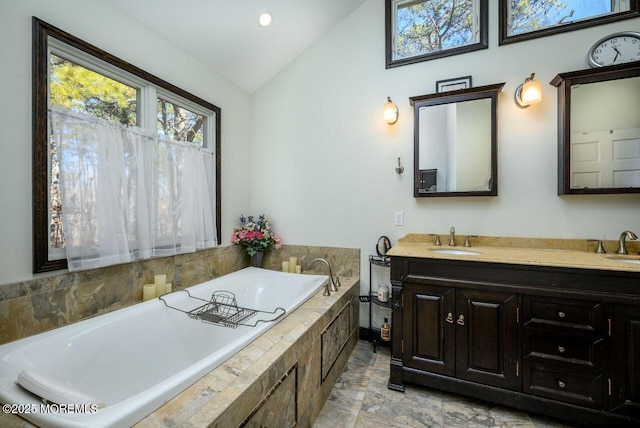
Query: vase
point(256, 259)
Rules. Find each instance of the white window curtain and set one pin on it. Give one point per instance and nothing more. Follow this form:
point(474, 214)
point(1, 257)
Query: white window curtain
point(129, 195)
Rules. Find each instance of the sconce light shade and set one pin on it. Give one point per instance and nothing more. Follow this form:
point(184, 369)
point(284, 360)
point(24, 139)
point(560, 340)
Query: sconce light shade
point(390, 112)
point(530, 92)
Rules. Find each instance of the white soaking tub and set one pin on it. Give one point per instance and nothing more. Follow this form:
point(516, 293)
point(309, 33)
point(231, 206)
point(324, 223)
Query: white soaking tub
point(115, 369)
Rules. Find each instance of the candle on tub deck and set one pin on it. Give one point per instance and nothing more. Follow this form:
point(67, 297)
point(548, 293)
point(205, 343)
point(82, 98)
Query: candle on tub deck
point(160, 281)
point(293, 262)
point(285, 266)
point(298, 269)
point(167, 287)
point(148, 291)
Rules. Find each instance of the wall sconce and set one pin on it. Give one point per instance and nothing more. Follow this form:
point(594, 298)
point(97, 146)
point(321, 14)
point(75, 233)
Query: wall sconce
point(390, 112)
point(530, 92)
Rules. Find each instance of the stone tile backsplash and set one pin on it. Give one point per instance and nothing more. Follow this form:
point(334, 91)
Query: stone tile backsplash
point(34, 306)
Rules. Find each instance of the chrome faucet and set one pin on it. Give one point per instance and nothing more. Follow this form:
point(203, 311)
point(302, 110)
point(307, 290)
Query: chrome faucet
point(333, 286)
point(622, 245)
point(452, 234)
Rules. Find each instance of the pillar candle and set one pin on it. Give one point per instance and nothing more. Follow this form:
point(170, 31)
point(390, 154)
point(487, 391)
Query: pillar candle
point(161, 289)
point(298, 269)
point(285, 266)
point(293, 262)
point(168, 287)
point(148, 291)
point(160, 279)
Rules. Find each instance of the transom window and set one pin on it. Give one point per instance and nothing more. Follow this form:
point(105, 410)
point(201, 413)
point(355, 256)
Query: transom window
point(419, 30)
point(74, 74)
point(522, 20)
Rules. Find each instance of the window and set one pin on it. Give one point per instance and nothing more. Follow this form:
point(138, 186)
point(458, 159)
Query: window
point(420, 30)
point(523, 20)
point(70, 72)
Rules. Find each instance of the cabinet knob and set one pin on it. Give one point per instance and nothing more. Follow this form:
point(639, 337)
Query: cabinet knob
point(460, 320)
point(561, 314)
point(561, 349)
point(561, 384)
point(449, 318)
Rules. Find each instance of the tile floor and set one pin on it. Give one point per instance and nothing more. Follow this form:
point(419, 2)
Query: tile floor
point(360, 398)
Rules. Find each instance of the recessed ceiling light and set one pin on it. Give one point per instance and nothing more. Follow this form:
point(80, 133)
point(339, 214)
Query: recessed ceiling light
point(265, 19)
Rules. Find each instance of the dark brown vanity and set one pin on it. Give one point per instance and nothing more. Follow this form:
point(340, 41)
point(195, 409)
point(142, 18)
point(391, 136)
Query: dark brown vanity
point(557, 340)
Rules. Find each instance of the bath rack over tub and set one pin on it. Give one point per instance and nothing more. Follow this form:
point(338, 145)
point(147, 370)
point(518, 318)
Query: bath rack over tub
point(222, 309)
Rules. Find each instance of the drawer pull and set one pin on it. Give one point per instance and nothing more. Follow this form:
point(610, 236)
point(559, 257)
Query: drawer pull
point(449, 318)
point(460, 320)
point(561, 384)
point(561, 314)
point(561, 349)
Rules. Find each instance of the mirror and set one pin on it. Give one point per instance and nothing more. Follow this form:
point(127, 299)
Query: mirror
point(455, 142)
point(599, 130)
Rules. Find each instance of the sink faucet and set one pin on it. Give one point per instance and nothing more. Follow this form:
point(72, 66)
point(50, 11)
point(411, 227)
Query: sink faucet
point(452, 234)
point(333, 286)
point(622, 245)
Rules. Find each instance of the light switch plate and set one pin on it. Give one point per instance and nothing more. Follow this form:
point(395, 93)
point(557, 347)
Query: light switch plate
point(398, 218)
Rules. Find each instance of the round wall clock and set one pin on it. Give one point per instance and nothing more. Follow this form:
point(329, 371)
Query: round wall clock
point(615, 48)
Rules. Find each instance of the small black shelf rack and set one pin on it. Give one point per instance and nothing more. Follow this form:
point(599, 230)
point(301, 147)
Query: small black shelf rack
point(384, 261)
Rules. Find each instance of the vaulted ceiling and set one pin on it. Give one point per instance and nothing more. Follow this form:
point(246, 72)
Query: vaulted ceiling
point(225, 35)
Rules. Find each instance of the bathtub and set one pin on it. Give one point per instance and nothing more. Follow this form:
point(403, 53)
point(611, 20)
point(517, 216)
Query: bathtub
point(135, 359)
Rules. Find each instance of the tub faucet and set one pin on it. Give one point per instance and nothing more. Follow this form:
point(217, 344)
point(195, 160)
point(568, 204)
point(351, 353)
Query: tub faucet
point(622, 244)
point(452, 234)
point(333, 286)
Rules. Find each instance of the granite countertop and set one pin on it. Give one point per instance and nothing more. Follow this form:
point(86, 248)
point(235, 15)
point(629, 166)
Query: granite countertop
point(522, 251)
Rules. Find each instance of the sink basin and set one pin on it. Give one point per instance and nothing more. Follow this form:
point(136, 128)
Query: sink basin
point(625, 260)
point(455, 252)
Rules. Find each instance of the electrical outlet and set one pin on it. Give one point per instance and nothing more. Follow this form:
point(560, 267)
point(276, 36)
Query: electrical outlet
point(398, 218)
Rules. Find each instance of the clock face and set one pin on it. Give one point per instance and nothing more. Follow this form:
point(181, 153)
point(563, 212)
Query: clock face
point(615, 49)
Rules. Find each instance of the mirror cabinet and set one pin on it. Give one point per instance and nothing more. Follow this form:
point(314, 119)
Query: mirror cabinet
point(455, 142)
point(599, 130)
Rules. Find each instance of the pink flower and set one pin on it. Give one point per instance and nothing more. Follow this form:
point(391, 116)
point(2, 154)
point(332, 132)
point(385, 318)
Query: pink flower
point(259, 235)
point(278, 243)
point(243, 234)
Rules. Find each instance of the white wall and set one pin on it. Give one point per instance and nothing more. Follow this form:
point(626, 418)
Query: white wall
point(103, 25)
point(323, 159)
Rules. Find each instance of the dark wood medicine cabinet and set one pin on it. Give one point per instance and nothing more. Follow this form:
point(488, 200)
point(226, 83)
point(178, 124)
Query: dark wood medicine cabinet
point(599, 130)
point(456, 143)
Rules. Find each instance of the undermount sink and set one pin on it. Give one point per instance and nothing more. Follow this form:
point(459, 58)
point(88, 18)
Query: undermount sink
point(455, 252)
point(625, 260)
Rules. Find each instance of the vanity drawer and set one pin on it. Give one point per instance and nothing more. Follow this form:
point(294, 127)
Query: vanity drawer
point(563, 348)
point(581, 387)
point(570, 315)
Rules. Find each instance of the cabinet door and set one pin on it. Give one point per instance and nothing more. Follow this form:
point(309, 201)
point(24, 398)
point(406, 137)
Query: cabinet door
point(624, 357)
point(429, 339)
point(487, 338)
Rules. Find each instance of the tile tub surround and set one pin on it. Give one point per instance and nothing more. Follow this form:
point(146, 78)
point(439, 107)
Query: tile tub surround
point(47, 302)
point(230, 392)
point(571, 253)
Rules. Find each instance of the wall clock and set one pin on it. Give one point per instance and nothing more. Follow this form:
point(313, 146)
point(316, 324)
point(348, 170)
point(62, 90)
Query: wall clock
point(615, 48)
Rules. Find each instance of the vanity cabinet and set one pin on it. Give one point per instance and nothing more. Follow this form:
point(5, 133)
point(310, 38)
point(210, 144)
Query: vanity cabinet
point(563, 342)
point(563, 350)
point(625, 361)
point(465, 333)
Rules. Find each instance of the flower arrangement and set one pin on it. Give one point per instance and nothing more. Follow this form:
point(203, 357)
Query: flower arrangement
point(255, 235)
